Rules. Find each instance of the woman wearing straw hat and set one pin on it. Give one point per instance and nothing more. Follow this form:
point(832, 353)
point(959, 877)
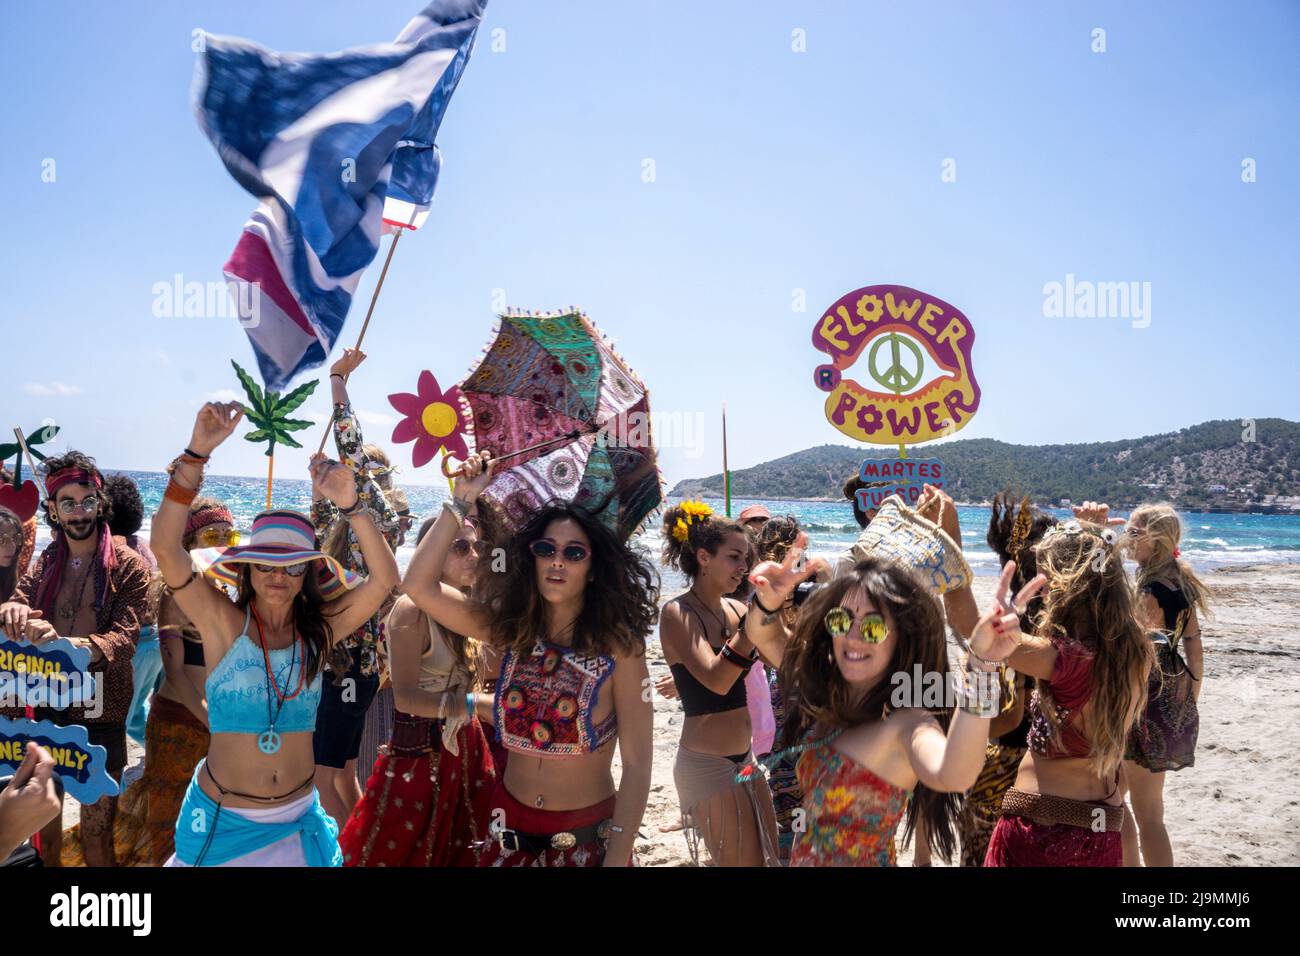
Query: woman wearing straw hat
point(251, 802)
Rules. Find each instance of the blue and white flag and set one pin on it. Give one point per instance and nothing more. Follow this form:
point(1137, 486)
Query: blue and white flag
point(335, 145)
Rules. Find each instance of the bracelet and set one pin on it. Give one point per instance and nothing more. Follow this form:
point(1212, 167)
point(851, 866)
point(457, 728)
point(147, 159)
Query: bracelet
point(191, 453)
point(179, 493)
point(733, 656)
point(356, 507)
point(469, 705)
point(188, 582)
point(458, 509)
point(770, 613)
point(338, 376)
point(979, 693)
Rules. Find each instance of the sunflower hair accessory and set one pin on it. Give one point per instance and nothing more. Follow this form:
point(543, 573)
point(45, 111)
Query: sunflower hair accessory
point(692, 511)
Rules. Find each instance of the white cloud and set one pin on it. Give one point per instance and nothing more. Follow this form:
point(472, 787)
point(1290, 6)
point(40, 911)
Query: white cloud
point(378, 419)
point(223, 395)
point(55, 388)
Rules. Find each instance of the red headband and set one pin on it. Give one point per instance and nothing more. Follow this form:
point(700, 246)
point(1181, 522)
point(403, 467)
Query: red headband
point(209, 514)
point(68, 476)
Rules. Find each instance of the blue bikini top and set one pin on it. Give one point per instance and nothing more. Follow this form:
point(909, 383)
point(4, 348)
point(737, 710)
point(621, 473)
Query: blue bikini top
point(237, 690)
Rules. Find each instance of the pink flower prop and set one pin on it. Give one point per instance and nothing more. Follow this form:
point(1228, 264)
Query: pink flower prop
point(435, 420)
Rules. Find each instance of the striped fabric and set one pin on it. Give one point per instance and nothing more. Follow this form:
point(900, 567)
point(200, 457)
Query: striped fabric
point(333, 145)
point(279, 538)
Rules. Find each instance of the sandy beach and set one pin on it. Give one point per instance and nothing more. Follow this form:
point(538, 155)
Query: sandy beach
point(1238, 806)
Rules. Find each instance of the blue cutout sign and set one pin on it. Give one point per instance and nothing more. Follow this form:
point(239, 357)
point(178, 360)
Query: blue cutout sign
point(54, 674)
point(897, 476)
point(78, 762)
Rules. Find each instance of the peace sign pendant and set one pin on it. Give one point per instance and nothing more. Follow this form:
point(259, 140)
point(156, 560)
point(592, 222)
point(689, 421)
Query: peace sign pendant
point(268, 741)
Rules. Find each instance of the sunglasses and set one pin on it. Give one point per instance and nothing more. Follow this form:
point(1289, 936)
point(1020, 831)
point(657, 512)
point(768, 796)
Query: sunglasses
point(1135, 532)
point(214, 538)
point(574, 553)
point(293, 570)
point(839, 622)
point(87, 504)
point(462, 546)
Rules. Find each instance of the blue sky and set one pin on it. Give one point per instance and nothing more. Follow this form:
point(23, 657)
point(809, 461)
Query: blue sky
point(775, 171)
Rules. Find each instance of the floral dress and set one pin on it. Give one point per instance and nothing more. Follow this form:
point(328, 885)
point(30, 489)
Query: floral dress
point(850, 813)
point(363, 644)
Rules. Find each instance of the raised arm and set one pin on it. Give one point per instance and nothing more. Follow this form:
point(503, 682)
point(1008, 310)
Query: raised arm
point(407, 640)
point(209, 609)
point(631, 688)
point(774, 584)
point(684, 642)
point(423, 581)
point(336, 482)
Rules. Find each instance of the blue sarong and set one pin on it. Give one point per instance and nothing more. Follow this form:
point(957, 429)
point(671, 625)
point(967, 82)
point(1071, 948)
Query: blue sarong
point(238, 836)
point(147, 665)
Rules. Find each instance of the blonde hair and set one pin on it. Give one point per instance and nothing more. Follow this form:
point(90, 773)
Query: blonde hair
point(1090, 600)
point(1164, 529)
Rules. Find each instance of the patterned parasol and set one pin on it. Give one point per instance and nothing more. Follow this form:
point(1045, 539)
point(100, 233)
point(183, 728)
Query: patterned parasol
point(567, 419)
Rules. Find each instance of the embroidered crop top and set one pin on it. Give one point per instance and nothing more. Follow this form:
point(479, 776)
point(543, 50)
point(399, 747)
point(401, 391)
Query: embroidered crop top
point(852, 813)
point(238, 691)
point(544, 701)
point(1071, 684)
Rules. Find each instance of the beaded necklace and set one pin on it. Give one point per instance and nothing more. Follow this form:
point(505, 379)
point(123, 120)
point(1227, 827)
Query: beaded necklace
point(269, 741)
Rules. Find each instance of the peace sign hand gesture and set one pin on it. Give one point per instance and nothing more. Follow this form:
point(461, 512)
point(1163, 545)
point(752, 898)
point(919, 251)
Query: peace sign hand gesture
point(997, 634)
point(774, 582)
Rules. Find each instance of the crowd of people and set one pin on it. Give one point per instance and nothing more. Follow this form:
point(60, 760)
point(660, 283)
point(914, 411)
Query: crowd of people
point(308, 705)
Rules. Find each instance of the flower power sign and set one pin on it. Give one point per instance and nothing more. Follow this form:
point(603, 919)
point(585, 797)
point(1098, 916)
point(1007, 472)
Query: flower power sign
point(884, 331)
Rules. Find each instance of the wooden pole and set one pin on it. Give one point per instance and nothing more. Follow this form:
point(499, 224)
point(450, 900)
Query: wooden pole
point(364, 325)
point(26, 452)
point(726, 470)
point(270, 467)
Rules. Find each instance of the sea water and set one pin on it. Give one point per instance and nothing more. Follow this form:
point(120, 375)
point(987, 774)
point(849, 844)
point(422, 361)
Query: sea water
point(1209, 540)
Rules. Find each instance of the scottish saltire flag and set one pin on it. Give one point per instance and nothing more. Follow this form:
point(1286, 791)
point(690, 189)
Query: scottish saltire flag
point(333, 144)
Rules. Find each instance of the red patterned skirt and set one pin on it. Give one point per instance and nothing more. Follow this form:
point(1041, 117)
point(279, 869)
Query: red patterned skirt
point(517, 816)
point(423, 805)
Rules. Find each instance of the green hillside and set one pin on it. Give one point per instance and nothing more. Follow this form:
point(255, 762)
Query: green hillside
point(1212, 466)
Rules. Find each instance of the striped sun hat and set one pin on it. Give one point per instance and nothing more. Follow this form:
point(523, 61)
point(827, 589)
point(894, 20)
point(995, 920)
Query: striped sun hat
point(279, 538)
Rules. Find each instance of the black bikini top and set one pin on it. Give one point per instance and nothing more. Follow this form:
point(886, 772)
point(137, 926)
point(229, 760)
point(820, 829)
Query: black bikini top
point(697, 699)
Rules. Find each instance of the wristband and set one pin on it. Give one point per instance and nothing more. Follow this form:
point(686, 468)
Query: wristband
point(762, 607)
point(337, 375)
point(179, 493)
point(457, 508)
point(194, 456)
point(733, 656)
point(356, 507)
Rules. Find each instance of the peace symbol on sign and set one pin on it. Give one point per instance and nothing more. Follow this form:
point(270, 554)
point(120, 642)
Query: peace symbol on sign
point(897, 377)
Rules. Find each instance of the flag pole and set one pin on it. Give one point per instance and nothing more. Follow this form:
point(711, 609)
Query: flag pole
point(364, 325)
point(726, 471)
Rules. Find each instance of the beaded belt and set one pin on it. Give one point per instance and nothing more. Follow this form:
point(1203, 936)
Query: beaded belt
point(1050, 810)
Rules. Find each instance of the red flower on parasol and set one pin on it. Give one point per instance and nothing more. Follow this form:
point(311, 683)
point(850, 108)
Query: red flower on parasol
point(434, 420)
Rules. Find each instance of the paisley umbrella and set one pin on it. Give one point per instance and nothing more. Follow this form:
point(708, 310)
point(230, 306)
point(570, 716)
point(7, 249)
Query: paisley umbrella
point(566, 418)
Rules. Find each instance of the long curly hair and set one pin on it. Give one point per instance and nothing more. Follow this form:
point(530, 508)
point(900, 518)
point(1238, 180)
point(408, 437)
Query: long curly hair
point(310, 617)
point(9, 573)
point(620, 604)
point(1089, 599)
point(819, 700)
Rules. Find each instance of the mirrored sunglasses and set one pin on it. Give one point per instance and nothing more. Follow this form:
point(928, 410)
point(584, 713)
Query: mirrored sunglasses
point(293, 570)
point(839, 622)
point(462, 546)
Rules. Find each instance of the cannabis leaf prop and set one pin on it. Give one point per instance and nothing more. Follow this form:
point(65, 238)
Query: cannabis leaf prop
point(269, 412)
point(38, 437)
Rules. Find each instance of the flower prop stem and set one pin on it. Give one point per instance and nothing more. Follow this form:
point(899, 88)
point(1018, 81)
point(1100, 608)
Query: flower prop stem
point(270, 467)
